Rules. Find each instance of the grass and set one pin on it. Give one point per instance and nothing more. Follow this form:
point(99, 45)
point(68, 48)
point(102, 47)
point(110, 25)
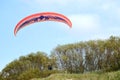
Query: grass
point(85, 76)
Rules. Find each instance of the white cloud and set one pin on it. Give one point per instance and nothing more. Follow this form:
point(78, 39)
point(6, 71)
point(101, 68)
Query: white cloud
point(112, 8)
point(93, 3)
point(51, 3)
point(46, 2)
point(89, 16)
point(106, 7)
point(105, 33)
point(109, 6)
point(54, 1)
point(66, 1)
point(83, 23)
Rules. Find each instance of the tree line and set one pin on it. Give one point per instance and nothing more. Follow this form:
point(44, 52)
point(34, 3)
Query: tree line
point(27, 67)
point(93, 55)
point(81, 57)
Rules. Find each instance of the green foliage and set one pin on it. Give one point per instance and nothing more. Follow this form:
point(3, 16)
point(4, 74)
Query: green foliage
point(93, 55)
point(27, 67)
point(48, 73)
point(29, 74)
point(84, 76)
point(117, 76)
point(1, 77)
point(82, 57)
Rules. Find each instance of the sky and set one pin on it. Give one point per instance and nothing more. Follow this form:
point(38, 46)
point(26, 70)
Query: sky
point(91, 20)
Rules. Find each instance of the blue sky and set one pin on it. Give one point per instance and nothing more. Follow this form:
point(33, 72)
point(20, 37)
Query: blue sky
point(91, 19)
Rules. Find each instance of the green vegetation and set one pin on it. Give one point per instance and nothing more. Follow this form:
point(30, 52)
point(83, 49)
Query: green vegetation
point(85, 76)
point(89, 60)
point(28, 67)
point(93, 55)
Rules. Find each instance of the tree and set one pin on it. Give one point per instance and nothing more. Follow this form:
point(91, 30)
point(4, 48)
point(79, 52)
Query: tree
point(25, 64)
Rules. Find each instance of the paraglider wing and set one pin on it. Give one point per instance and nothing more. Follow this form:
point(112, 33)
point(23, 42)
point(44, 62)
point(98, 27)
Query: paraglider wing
point(39, 17)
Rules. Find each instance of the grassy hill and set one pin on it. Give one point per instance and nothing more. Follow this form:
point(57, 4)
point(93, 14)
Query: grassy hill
point(85, 76)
